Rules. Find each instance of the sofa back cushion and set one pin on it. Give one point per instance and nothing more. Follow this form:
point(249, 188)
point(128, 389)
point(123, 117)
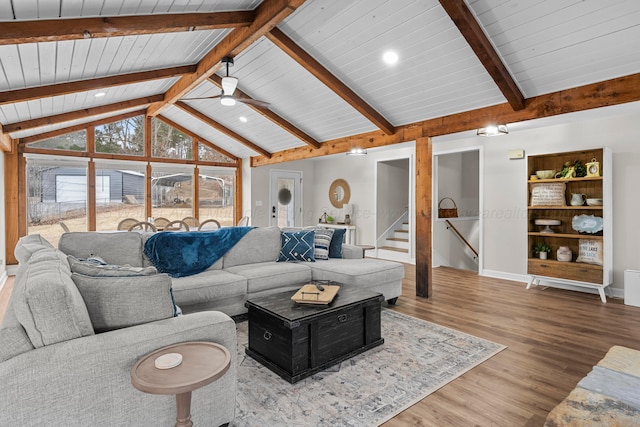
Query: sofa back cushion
point(258, 245)
point(114, 248)
point(120, 302)
point(47, 303)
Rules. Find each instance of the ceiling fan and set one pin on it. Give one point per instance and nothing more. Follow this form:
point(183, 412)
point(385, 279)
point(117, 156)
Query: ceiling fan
point(229, 85)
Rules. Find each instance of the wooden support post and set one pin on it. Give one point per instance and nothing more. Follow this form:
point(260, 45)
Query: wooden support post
point(12, 197)
point(91, 180)
point(237, 204)
point(424, 177)
point(147, 175)
point(195, 191)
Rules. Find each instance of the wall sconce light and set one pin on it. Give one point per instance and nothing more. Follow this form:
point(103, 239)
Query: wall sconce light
point(493, 130)
point(357, 152)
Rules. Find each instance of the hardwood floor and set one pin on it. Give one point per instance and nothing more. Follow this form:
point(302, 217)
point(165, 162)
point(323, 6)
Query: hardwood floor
point(554, 337)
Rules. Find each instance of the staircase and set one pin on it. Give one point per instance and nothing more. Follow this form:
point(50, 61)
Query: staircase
point(395, 243)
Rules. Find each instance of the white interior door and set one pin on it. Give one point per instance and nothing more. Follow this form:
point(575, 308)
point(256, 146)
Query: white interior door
point(286, 198)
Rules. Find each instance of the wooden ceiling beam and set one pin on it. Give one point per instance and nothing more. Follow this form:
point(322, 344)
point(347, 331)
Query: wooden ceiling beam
point(610, 92)
point(463, 18)
point(223, 129)
point(298, 54)
point(270, 115)
point(50, 30)
point(81, 114)
point(82, 126)
point(58, 89)
point(6, 143)
point(267, 15)
point(196, 137)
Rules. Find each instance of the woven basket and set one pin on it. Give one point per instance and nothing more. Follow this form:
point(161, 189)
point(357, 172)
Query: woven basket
point(447, 212)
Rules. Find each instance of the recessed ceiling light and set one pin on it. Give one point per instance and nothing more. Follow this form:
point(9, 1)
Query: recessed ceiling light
point(99, 94)
point(243, 119)
point(390, 57)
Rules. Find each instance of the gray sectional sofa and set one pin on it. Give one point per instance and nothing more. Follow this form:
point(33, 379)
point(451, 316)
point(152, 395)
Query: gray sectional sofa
point(248, 270)
point(69, 340)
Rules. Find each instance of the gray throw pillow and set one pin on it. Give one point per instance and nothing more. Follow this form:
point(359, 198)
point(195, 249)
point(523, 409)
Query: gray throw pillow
point(120, 302)
point(47, 303)
point(94, 268)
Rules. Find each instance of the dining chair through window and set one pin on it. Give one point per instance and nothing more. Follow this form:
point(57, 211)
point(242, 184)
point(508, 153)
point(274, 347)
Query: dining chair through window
point(177, 225)
point(126, 223)
point(142, 226)
point(191, 221)
point(209, 225)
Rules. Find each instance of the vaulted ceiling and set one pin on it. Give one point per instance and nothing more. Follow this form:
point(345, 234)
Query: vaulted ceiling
point(317, 62)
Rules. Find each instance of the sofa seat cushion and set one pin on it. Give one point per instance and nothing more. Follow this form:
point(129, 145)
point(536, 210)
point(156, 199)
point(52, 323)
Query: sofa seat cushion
point(115, 248)
point(360, 272)
point(210, 285)
point(14, 341)
point(47, 303)
point(120, 302)
point(272, 275)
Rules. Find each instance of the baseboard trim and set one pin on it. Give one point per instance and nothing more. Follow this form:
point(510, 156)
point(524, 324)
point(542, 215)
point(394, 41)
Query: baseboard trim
point(610, 291)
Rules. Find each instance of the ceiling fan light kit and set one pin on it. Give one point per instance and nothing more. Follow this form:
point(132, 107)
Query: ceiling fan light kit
point(229, 85)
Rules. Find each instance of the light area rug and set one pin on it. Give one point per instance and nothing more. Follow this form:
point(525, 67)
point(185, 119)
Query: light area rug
point(416, 359)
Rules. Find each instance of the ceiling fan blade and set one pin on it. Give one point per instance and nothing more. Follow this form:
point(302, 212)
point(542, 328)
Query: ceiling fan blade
point(204, 97)
point(229, 85)
point(255, 102)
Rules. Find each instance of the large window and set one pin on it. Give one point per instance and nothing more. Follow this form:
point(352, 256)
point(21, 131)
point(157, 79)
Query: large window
point(217, 190)
point(122, 137)
point(56, 192)
point(169, 142)
point(76, 141)
point(119, 193)
point(171, 191)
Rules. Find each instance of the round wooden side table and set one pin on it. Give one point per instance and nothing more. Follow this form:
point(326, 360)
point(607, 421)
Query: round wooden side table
point(202, 364)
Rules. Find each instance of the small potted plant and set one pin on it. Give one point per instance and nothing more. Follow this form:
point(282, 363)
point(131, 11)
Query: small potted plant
point(542, 249)
point(329, 219)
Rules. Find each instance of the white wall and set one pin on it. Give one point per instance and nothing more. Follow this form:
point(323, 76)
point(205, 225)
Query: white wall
point(392, 192)
point(260, 192)
point(505, 188)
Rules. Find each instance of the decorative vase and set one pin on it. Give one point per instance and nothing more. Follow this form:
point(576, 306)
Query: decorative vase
point(564, 254)
point(542, 255)
point(347, 219)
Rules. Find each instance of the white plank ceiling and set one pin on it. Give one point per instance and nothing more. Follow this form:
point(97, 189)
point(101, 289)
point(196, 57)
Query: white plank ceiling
point(547, 46)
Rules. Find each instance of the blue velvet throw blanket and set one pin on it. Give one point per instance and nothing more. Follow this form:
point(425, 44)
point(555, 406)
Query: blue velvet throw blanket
point(185, 254)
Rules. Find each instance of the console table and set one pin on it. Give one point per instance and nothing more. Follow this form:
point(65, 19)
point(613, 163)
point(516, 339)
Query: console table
point(349, 235)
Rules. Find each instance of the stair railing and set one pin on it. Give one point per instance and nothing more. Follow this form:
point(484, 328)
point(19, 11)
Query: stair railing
point(451, 227)
point(383, 236)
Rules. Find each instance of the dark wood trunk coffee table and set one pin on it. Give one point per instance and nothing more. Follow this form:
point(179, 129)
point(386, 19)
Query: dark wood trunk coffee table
point(297, 340)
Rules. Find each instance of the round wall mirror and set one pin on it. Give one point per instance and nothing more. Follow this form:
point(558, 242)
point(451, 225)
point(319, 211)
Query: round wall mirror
point(339, 193)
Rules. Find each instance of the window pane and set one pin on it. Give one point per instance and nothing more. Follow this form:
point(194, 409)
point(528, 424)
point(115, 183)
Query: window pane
point(76, 141)
point(123, 137)
point(211, 155)
point(55, 194)
point(119, 195)
point(172, 194)
point(217, 191)
point(170, 143)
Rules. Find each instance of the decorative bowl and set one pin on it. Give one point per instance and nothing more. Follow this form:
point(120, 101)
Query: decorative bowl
point(587, 224)
point(594, 202)
point(546, 174)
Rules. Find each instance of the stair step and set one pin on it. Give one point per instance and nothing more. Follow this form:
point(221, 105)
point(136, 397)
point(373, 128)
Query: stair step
point(398, 239)
point(401, 231)
point(390, 248)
